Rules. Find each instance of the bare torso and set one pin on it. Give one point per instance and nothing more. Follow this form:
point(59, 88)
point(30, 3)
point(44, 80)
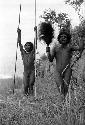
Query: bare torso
point(62, 56)
point(28, 62)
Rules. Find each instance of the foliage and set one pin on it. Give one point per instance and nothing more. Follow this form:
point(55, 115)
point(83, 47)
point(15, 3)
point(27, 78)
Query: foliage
point(61, 19)
point(78, 33)
point(76, 4)
point(81, 30)
point(49, 16)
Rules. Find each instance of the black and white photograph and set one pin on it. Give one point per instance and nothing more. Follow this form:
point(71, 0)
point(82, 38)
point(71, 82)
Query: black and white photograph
point(42, 62)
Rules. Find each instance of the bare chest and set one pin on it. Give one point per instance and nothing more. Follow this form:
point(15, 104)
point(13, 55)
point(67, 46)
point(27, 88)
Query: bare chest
point(63, 56)
point(64, 53)
point(27, 59)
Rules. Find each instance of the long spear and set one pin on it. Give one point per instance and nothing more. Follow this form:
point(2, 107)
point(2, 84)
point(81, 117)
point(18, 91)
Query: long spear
point(35, 43)
point(35, 29)
point(16, 52)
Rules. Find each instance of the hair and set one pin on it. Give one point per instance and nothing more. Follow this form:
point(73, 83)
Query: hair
point(29, 43)
point(67, 34)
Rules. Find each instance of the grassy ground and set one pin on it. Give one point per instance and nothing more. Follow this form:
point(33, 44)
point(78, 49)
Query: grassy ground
point(47, 108)
point(44, 109)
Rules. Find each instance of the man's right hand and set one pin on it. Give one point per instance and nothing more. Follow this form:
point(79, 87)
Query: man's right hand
point(19, 35)
point(47, 49)
point(18, 30)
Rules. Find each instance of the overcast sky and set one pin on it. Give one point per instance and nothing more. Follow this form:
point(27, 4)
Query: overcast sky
point(9, 19)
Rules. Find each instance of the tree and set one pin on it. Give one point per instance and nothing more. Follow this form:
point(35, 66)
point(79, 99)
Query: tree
point(49, 16)
point(79, 31)
point(61, 19)
point(76, 4)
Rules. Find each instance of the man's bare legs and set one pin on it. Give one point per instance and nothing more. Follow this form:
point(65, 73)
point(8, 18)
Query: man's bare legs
point(63, 80)
point(66, 78)
point(31, 82)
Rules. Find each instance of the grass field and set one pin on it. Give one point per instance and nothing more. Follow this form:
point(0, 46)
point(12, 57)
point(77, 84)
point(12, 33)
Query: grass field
point(46, 108)
point(40, 110)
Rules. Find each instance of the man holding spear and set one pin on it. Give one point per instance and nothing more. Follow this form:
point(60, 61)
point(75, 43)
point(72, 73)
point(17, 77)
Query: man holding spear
point(28, 57)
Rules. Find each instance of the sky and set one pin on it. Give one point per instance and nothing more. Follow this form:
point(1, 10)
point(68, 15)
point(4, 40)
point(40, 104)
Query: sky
point(9, 20)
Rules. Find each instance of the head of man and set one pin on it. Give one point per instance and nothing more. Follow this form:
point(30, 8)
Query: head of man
point(64, 38)
point(28, 46)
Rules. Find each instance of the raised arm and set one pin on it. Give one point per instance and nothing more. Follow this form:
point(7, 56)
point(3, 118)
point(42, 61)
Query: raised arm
point(50, 55)
point(19, 41)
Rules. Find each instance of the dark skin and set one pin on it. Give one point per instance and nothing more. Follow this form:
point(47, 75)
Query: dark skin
point(28, 57)
point(62, 54)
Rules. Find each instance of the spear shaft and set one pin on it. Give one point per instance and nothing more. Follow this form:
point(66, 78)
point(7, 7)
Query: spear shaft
point(16, 53)
point(35, 43)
